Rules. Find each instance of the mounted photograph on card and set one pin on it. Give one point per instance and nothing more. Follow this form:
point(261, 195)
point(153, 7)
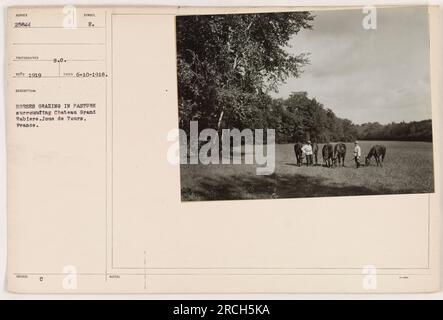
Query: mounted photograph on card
point(304, 104)
point(132, 131)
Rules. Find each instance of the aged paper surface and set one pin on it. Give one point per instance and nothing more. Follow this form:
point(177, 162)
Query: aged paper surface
point(94, 205)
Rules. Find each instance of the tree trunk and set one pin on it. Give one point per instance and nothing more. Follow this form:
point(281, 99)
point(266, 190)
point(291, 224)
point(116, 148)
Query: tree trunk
point(220, 142)
point(220, 119)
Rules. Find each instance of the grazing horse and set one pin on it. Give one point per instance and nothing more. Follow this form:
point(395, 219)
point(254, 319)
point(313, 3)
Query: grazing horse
point(378, 152)
point(298, 153)
point(340, 153)
point(328, 154)
point(315, 152)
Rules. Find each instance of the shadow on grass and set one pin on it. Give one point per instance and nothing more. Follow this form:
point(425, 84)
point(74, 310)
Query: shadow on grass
point(305, 166)
point(273, 187)
point(232, 188)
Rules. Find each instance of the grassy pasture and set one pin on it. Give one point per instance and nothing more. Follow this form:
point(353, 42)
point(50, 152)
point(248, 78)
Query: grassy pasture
point(408, 168)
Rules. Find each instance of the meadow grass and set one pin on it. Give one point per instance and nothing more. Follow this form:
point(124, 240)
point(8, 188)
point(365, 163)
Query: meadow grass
point(408, 168)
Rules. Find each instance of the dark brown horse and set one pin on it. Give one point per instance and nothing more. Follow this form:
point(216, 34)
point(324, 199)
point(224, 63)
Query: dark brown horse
point(298, 153)
point(340, 154)
point(378, 152)
point(328, 154)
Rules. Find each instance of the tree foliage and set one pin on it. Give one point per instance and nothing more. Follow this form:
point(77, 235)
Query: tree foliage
point(227, 65)
point(300, 118)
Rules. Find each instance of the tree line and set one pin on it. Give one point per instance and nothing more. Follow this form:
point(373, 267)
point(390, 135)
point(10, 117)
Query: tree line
point(300, 118)
point(227, 66)
point(402, 131)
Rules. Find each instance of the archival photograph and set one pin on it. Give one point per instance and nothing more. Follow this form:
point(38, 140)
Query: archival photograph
point(304, 104)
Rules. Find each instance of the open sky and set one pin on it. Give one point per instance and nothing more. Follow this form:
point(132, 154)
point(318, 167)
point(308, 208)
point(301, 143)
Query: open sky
point(367, 75)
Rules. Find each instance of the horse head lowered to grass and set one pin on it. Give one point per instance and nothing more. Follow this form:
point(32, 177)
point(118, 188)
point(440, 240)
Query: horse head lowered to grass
point(378, 152)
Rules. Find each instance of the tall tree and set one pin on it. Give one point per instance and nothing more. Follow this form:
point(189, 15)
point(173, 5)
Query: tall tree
point(228, 63)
